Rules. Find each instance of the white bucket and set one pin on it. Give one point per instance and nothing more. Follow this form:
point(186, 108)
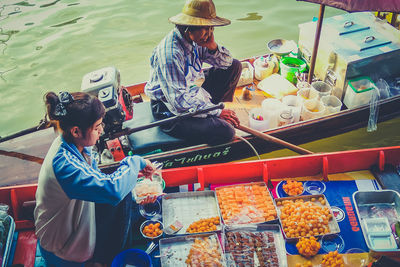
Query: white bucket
point(259, 125)
point(272, 108)
point(294, 103)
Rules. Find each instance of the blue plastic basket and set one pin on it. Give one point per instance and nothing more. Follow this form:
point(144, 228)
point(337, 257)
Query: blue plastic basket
point(133, 257)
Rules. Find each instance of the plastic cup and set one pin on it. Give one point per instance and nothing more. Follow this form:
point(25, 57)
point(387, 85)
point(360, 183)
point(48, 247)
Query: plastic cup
point(322, 88)
point(259, 125)
point(272, 108)
point(295, 104)
point(332, 104)
point(332, 242)
point(312, 109)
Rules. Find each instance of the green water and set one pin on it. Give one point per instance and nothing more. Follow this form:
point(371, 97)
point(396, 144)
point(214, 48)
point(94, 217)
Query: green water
point(50, 45)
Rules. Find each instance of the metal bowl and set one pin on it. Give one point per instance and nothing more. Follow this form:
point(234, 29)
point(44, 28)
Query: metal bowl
point(281, 47)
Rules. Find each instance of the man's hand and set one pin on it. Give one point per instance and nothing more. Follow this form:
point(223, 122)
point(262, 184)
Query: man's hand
point(230, 116)
point(208, 41)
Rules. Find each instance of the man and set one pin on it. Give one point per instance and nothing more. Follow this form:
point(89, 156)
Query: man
point(178, 83)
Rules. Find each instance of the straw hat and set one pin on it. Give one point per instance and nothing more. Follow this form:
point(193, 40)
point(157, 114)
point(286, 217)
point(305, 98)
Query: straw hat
point(199, 13)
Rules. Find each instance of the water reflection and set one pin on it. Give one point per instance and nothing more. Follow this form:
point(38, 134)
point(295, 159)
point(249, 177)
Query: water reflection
point(252, 16)
point(72, 21)
point(50, 4)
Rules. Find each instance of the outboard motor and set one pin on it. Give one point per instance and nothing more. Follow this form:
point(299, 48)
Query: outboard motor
point(105, 85)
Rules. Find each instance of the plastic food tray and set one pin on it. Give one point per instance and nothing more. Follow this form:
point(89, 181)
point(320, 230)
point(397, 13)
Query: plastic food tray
point(246, 189)
point(189, 207)
point(374, 205)
point(9, 241)
point(333, 225)
point(256, 243)
point(175, 250)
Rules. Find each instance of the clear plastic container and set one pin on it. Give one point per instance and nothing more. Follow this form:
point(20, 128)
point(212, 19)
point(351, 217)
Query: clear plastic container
point(315, 187)
point(272, 108)
point(295, 104)
point(246, 77)
point(322, 88)
point(150, 210)
point(145, 188)
point(332, 104)
point(307, 93)
point(285, 118)
point(359, 92)
point(312, 109)
point(377, 225)
point(332, 242)
point(263, 68)
point(359, 260)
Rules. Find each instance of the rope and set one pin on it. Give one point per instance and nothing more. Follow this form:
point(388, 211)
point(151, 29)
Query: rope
point(251, 146)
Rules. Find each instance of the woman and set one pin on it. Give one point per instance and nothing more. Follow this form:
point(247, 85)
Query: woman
point(70, 182)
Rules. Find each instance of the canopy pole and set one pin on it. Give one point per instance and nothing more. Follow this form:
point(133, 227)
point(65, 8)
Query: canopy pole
point(316, 42)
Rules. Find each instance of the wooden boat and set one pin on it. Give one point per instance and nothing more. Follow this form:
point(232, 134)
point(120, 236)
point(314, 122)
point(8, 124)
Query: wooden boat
point(20, 157)
point(336, 167)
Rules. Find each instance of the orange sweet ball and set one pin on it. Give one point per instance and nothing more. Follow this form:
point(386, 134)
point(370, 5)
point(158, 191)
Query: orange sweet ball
point(332, 259)
point(152, 230)
point(308, 247)
point(293, 188)
point(204, 225)
point(301, 218)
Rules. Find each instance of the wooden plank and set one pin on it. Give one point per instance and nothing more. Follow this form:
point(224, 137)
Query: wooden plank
point(25, 251)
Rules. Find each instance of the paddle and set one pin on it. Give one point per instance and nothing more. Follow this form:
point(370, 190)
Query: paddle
point(275, 140)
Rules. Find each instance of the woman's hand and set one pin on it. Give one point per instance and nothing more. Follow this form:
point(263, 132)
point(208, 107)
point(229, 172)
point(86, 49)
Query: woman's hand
point(148, 200)
point(230, 116)
point(148, 170)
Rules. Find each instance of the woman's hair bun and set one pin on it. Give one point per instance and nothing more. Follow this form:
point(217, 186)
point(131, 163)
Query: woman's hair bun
point(51, 100)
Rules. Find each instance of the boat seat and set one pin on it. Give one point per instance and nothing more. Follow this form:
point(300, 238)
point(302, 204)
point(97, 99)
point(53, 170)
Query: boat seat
point(149, 140)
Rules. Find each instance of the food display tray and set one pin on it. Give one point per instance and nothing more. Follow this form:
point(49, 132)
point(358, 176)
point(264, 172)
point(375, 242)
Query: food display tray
point(254, 243)
point(243, 220)
point(189, 207)
point(372, 205)
point(333, 225)
point(174, 251)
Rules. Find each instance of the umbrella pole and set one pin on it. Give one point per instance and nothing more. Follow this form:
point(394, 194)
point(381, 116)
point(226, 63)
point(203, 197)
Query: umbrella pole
point(316, 42)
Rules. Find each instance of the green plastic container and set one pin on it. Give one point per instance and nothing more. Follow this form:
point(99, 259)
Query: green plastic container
point(290, 66)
